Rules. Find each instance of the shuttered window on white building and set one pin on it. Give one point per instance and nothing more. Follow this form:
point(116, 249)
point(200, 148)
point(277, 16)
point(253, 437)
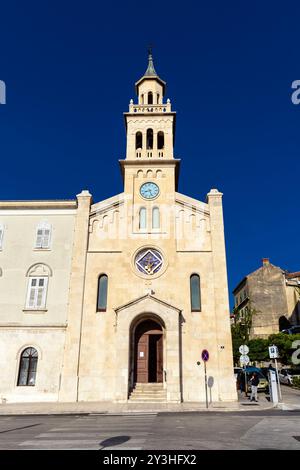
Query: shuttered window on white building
point(43, 236)
point(37, 290)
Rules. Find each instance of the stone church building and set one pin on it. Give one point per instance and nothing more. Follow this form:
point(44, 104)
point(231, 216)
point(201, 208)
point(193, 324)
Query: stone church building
point(115, 300)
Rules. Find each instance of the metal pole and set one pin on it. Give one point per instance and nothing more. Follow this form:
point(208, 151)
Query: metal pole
point(278, 383)
point(246, 388)
point(206, 395)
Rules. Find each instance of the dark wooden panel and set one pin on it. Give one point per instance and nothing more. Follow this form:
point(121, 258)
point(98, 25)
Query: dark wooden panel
point(142, 359)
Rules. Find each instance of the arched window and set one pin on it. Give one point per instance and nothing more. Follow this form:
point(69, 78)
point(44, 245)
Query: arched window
point(138, 140)
point(102, 293)
point(155, 217)
point(38, 275)
point(143, 218)
point(27, 367)
point(43, 235)
point(150, 97)
point(160, 140)
point(149, 139)
point(195, 293)
point(157, 98)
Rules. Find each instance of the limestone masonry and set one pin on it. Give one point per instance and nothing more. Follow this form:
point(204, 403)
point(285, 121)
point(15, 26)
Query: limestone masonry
point(115, 300)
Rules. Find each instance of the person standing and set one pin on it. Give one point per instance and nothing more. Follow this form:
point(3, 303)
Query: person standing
point(254, 383)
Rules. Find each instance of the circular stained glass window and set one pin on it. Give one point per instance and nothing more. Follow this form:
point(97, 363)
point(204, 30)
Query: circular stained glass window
point(148, 261)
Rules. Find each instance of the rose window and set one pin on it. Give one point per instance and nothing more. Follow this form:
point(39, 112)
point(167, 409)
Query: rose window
point(148, 261)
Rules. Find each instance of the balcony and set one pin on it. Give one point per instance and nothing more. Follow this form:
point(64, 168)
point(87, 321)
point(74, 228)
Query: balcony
point(149, 108)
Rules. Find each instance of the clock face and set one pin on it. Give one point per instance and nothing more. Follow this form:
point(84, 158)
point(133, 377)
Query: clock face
point(149, 190)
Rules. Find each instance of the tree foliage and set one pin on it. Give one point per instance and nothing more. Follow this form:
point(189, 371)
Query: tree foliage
point(258, 347)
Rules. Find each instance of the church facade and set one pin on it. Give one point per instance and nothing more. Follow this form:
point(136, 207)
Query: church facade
point(117, 299)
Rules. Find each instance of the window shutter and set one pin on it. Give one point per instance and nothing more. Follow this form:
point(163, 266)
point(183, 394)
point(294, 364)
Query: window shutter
point(43, 236)
point(39, 238)
point(37, 292)
point(46, 238)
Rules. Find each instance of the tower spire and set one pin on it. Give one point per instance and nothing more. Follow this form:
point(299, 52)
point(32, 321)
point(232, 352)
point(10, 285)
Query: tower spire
point(150, 72)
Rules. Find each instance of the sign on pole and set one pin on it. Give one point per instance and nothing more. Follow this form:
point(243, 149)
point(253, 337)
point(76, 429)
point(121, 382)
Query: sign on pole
point(205, 355)
point(273, 352)
point(243, 349)
point(244, 359)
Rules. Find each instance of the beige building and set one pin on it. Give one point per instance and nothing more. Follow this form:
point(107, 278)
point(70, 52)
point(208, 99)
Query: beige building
point(144, 286)
point(273, 295)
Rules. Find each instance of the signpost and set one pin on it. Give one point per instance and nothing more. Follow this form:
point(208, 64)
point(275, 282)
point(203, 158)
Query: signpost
point(205, 357)
point(273, 354)
point(244, 361)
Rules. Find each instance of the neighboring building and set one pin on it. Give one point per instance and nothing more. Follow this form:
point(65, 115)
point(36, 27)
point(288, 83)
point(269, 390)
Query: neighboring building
point(36, 239)
point(274, 296)
point(144, 286)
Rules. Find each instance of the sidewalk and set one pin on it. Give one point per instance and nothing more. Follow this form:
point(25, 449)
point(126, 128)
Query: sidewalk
point(120, 408)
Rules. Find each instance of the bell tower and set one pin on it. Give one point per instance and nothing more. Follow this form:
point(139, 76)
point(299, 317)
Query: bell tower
point(150, 131)
point(150, 171)
point(150, 124)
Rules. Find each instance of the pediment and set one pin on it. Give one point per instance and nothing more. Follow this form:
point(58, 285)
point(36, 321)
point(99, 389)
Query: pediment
point(107, 204)
point(147, 302)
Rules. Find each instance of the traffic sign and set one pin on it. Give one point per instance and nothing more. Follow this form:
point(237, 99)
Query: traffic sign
point(205, 355)
point(273, 352)
point(243, 349)
point(244, 359)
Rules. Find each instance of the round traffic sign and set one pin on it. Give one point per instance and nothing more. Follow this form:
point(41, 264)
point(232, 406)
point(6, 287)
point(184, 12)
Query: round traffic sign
point(244, 359)
point(243, 349)
point(205, 355)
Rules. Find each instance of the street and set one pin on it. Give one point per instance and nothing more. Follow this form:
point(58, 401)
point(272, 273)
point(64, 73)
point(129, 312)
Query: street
point(252, 428)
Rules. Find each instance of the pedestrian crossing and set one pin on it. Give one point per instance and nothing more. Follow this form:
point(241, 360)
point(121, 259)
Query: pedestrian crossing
point(106, 432)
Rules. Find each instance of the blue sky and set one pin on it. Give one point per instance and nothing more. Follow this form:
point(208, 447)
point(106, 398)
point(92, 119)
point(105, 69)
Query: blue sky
point(70, 69)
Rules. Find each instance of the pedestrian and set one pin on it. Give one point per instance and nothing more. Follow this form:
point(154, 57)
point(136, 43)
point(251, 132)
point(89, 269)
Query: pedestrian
point(254, 383)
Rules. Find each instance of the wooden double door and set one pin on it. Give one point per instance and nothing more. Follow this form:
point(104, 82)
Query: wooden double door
point(148, 352)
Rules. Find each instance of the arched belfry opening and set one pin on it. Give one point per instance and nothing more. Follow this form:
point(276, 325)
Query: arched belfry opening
point(147, 336)
point(150, 97)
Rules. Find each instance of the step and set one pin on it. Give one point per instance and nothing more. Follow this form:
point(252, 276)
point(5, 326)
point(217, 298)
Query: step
point(141, 395)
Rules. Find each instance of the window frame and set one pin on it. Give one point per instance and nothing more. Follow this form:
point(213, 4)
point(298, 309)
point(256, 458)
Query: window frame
point(43, 227)
point(36, 288)
point(101, 309)
point(155, 209)
point(32, 366)
point(199, 308)
point(144, 210)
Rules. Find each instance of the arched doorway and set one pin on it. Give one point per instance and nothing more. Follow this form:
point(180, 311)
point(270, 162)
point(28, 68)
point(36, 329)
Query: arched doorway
point(148, 352)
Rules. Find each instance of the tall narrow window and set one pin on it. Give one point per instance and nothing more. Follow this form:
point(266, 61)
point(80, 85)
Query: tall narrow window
point(27, 367)
point(149, 139)
point(150, 97)
point(195, 293)
point(155, 217)
point(160, 140)
point(1, 236)
point(37, 290)
point(43, 235)
point(102, 293)
point(143, 218)
point(138, 140)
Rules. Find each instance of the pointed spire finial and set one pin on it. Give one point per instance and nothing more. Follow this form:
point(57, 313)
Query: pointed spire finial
point(150, 69)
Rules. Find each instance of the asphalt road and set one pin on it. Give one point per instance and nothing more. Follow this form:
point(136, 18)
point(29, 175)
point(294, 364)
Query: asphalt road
point(253, 429)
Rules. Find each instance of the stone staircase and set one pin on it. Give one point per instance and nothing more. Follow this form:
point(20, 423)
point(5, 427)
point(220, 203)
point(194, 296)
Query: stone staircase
point(148, 393)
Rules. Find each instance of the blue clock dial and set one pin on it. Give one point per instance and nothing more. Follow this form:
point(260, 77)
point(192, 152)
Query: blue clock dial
point(149, 190)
